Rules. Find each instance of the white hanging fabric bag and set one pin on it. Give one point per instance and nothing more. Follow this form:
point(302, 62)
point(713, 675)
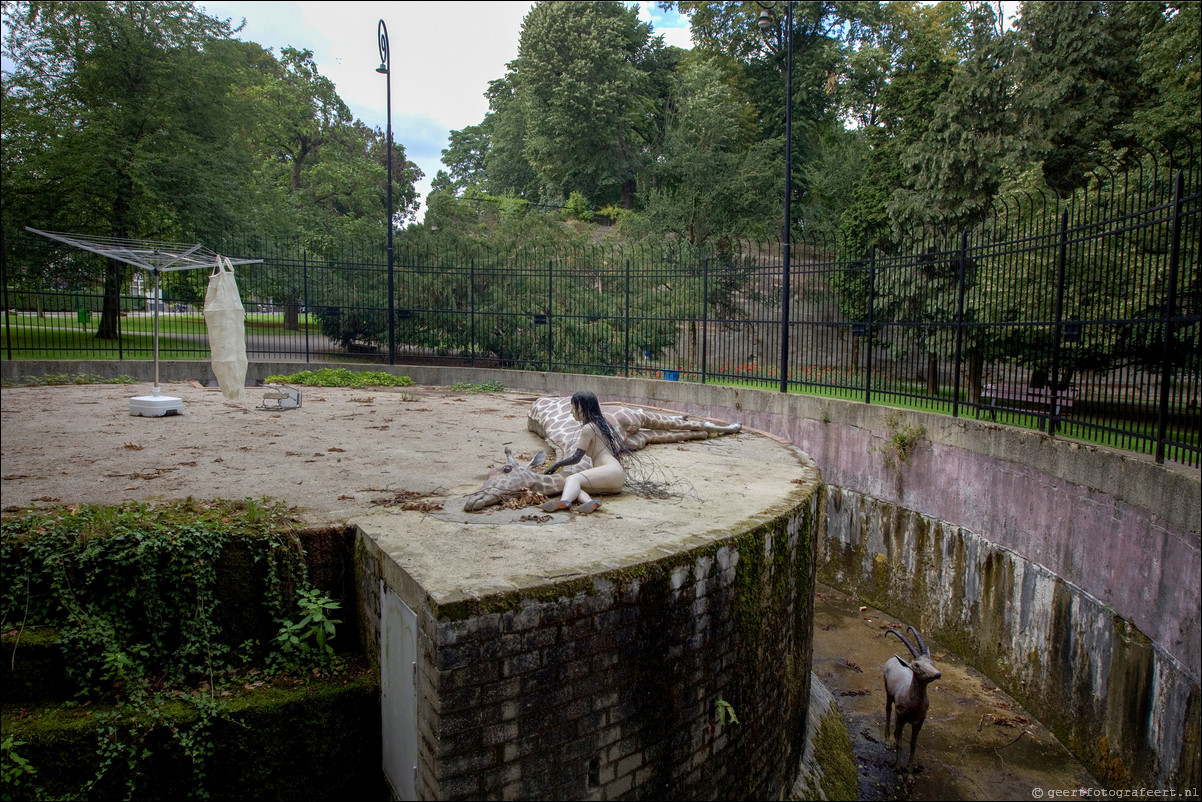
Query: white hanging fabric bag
point(226, 321)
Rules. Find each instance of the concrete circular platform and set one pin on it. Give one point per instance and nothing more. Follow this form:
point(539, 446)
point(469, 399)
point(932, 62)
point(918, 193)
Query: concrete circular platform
point(360, 454)
point(715, 487)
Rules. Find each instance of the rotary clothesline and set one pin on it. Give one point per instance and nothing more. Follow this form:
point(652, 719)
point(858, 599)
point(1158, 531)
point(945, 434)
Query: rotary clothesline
point(159, 257)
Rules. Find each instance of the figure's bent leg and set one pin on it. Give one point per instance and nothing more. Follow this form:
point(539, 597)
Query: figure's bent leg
point(571, 490)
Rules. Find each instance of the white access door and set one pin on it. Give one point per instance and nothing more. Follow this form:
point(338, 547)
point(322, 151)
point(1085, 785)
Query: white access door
point(398, 692)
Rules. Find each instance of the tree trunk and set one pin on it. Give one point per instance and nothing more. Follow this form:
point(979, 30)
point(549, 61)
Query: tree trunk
point(976, 373)
point(628, 193)
point(932, 373)
point(110, 311)
point(291, 315)
point(114, 272)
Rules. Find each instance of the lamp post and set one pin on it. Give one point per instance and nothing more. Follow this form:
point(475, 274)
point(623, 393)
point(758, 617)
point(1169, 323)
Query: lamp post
point(765, 22)
point(386, 68)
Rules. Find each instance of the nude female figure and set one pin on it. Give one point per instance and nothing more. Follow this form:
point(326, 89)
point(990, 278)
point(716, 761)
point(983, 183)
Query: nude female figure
point(600, 444)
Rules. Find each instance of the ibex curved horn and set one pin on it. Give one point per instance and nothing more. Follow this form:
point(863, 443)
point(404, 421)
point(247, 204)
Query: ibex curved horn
point(921, 645)
point(902, 638)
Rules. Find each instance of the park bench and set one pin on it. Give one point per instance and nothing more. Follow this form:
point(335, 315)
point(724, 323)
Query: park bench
point(1039, 398)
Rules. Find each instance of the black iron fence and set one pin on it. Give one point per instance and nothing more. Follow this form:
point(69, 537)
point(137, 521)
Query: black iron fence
point(1078, 316)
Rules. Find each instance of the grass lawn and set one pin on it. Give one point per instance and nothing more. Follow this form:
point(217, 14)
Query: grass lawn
point(50, 344)
point(62, 336)
point(170, 323)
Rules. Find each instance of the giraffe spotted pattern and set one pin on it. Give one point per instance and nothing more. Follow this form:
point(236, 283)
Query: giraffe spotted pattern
point(551, 419)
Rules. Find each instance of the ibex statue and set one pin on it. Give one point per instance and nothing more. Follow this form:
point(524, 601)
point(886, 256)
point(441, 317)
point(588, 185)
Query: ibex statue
point(906, 686)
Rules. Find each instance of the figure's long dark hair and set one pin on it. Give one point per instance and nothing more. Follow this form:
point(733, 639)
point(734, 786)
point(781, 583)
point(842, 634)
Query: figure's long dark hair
point(590, 410)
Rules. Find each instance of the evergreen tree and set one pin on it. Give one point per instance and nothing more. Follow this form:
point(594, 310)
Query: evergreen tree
point(584, 85)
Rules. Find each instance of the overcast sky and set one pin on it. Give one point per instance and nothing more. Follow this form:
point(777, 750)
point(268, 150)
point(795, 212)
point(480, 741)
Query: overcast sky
point(443, 56)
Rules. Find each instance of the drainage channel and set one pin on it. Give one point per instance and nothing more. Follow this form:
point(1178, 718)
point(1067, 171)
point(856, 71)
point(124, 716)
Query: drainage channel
point(977, 742)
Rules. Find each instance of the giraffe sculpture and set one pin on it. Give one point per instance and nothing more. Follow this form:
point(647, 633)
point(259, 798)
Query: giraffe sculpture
point(551, 419)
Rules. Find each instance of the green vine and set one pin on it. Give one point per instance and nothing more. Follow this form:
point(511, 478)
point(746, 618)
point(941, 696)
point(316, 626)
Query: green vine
point(902, 442)
point(13, 767)
point(132, 591)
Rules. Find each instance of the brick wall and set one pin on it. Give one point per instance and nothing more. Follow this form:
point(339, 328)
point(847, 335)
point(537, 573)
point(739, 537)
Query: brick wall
point(608, 687)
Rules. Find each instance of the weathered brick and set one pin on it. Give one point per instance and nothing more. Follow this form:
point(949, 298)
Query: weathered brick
point(461, 677)
point(592, 684)
point(500, 691)
point(499, 733)
point(620, 786)
point(605, 661)
point(629, 763)
point(452, 633)
point(573, 709)
point(540, 680)
point(467, 786)
point(605, 701)
point(528, 617)
point(468, 763)
point(520, 663)
point(589, 722)
point(560, 652)
point(574, 670)
point(540, 638)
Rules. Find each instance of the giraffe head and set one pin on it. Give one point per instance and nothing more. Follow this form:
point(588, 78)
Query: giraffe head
point(509, 479)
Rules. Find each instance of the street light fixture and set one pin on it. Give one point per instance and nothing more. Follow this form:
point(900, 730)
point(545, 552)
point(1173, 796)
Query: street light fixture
point(766, 21)
point(386, 69)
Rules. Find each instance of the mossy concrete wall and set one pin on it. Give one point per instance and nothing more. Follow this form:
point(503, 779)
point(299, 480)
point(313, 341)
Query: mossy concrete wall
point(608, 686)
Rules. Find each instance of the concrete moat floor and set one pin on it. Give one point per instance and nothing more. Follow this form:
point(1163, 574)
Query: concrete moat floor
point(977, 742)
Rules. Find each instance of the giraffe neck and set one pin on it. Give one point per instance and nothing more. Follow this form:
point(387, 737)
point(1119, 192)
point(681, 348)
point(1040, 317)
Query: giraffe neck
point(548, 485)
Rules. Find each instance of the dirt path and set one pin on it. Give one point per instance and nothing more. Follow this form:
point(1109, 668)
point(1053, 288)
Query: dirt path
point(977, 742)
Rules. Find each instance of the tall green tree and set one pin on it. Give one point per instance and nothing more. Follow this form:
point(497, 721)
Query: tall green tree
point(918, 50)
point(972, 136)
point(1079, 85)
point(1171, 78)
point(821, 33)
point(326, 171)
point(583, 79)
point(116, 122)
point(714, 178)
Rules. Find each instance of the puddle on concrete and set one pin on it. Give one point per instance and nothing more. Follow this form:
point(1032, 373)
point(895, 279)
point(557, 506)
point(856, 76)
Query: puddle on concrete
point(977, 742)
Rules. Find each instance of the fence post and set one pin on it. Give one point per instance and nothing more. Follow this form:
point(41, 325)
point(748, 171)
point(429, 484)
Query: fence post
point(8, 337)
point(471, 301)
point(957, 360)
point(1061, 262)
point(869, 335)
point(1170, 304)
point(550, 306)
point(391, 293)
point(305, 299)
point(784, 308)
point(705, 316)
point(626, 369)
